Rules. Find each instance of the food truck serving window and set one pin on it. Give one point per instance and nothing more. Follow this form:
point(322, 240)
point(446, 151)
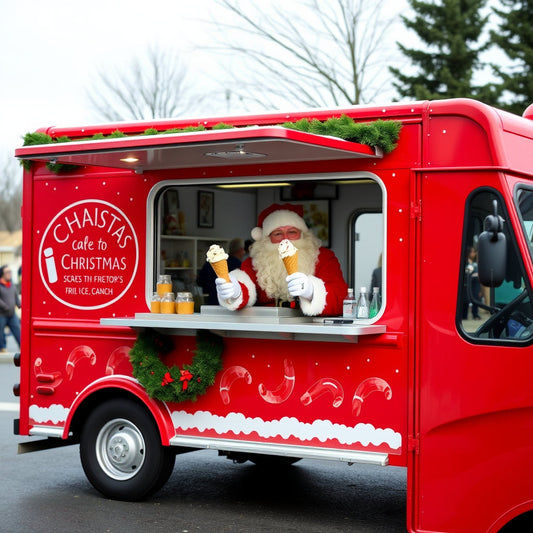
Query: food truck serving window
point(503, 313)
point(188, 218)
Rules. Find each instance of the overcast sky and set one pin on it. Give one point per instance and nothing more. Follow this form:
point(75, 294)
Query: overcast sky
point(51, 49)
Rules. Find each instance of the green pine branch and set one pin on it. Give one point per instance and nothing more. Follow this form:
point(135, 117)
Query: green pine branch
point(381, 134)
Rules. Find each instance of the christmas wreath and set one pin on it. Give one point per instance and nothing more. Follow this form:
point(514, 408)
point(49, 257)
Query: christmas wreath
point(175, 384)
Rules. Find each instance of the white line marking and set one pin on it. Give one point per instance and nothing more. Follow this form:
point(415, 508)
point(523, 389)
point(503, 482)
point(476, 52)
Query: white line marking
point(9, 406)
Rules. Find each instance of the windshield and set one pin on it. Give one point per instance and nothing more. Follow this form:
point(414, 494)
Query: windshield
point(502, 313)
point(525, 208)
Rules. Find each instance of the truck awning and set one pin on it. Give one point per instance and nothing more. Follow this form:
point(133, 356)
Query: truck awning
point(236, 146)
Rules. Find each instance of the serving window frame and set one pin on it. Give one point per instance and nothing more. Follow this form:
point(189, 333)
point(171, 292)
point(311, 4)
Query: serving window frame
point(154, 228)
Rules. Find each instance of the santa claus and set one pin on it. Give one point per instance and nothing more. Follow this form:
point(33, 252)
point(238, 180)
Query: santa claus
point(318, 286)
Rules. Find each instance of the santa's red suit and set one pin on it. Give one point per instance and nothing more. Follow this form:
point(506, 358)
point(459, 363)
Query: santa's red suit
point(328, 284)
point(323, 271)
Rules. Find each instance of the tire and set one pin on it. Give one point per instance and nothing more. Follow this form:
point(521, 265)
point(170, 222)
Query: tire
point(121, 451)
point(272, 461)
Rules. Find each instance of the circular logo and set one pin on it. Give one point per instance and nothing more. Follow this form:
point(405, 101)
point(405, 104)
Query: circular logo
point(88, 255)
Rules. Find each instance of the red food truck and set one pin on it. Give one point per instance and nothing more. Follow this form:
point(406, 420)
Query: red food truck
point(439, 381)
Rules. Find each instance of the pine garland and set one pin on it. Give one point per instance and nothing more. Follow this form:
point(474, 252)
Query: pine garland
point(175, 384)
point(383, 134)
point(38, 137)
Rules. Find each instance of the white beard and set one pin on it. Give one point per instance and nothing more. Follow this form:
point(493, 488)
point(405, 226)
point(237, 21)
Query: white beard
point(271, 272)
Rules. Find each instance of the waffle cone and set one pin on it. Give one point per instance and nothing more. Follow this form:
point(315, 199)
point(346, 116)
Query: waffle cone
point(291, 263)
point(221, 269)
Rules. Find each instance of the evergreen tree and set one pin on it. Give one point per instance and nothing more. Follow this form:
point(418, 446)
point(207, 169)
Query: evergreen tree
point(451, 31)
point(515, 38)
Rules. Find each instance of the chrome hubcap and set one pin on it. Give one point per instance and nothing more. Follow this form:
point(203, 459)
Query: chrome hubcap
point(120, 449)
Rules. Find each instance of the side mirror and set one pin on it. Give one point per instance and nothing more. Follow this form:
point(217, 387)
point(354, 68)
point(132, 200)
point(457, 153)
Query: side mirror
point(492, 251)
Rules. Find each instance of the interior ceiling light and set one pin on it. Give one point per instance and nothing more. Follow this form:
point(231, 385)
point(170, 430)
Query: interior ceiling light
point(238, 153)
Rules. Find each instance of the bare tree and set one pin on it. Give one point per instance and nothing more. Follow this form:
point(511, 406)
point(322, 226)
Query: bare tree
point(149, 87)
point(10, 195)
point(313, 52)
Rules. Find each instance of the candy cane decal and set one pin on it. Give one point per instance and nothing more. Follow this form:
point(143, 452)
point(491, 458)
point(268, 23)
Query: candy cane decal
point(52, 379)
point(284, 389)
point(76, 355)
point(322, 386)
point(230, 375)
point(45, 377)
point(366, 387)
point(115, 359)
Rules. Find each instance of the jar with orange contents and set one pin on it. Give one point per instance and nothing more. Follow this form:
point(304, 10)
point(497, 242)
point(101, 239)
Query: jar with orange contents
point(155, 303)
point(164, 285)
point(168, 304)
point(185, 303)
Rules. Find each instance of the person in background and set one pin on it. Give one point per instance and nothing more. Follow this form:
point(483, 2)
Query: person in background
point(472, 270)
point(318, 286)
point(376, 274)
point(9, 298)
point(247, 244)
point(206, 277)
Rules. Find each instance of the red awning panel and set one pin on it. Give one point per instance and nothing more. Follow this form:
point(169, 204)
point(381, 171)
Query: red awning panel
point(261, 145)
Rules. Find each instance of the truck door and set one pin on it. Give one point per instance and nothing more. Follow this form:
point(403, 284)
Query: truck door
point(474, 361)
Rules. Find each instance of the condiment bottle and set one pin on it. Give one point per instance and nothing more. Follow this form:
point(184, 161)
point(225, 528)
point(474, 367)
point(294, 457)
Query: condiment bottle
point(375, 304)
point(348, 305)
point(362, 304)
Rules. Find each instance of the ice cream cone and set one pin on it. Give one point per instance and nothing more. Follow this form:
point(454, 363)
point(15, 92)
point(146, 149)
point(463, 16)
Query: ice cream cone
point(289, 255)
point(291, 263)
point(218, 259)
point(221, 269)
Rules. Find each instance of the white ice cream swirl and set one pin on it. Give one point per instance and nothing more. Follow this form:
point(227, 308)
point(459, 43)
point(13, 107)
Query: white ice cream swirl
point(286, 248)
point(216, 253)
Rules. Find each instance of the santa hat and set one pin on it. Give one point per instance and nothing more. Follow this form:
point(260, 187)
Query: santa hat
point(278, 215)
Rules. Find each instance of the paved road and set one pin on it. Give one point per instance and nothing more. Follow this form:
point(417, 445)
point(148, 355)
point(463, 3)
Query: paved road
point(47, 492)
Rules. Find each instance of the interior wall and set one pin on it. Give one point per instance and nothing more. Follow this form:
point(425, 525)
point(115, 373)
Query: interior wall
point(228, 203)
point(350, 199)
point(236, 212)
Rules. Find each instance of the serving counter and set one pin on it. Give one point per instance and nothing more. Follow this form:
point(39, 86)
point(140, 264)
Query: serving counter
point(253, 322)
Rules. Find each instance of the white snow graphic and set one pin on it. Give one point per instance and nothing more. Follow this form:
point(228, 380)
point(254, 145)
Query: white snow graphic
point(287, 427)
point(55, 413)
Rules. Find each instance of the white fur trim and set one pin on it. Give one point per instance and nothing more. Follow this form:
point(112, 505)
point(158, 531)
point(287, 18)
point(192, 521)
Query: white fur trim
point(257, 233)
point(245, 279)
point(282, 217)
point(316, 305)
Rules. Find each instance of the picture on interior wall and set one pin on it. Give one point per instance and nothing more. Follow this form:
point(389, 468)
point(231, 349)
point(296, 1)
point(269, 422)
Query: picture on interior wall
point(174, 222)
point(317, 218)
point(206, 209)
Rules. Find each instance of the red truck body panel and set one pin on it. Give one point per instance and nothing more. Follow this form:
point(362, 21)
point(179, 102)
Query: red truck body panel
point(418, 393)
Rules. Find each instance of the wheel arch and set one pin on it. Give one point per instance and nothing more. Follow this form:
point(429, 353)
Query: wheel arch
point(520, 516)
point(112, 387)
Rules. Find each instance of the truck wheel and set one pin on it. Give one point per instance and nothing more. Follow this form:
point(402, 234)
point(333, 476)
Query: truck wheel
point(121, 451)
